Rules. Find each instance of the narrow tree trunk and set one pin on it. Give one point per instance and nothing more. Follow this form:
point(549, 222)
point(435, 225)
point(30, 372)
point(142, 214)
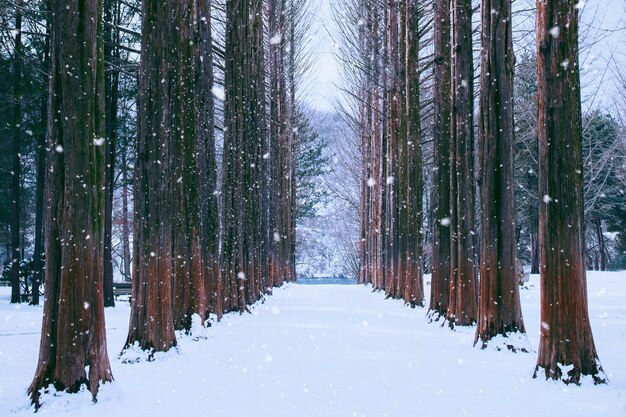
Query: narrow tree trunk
point(125, 222)
point(291, 114)
point(244, 119)
point(151, 322)
point(534, 253)
point(462, 309)
point(38, 264)
point(601, 248)
point(73, 332)
point(207, 159)
point(16, 187)
point(566, 347)
point(440, 286)
point(499, 309)
point(414, 290)
point(111, 94)
point(390, 249)
point(365, 135)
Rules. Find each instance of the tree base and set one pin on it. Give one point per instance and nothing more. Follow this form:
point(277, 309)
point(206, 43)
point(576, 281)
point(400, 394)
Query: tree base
point(516, 342)
point(572, 375)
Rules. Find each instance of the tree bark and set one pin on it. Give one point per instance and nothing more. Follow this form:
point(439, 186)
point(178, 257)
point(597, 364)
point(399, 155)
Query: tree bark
point(566, 346)
point(125, 222)
point(244, 119)
point(73, 332)
point(499, 309)
point(111, 81)
point(192, 261)
point(412, 162)
point(390, 248)
point(462, 309)
point(16, 187)
point(601, 248)
point(38, 264)
point(440, 279)
point(151, 321)
point(207, 159)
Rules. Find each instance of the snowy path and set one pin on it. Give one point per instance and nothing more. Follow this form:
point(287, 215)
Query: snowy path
point(330, 351)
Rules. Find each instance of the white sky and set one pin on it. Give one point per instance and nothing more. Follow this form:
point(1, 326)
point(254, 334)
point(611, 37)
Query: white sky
point(325, 72)
point(607, 31)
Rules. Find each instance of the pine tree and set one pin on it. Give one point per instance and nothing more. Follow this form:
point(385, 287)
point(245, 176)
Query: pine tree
point(566, 346)
point(462, 306)
point(440, 286)
point(73, 334)
point(499, 309)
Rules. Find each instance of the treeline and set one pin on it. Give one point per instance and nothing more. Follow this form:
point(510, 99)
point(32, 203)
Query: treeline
point(158, 139)
point(471, 162)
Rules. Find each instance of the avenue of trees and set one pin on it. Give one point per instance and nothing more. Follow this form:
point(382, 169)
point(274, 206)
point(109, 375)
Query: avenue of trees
point(474, 160)
point(164, 132)
point(167, 141)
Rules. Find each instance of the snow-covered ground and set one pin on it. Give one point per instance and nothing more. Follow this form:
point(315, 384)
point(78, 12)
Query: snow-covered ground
point(329, 350)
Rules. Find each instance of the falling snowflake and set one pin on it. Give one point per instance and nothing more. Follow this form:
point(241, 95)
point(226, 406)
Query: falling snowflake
point(555, 31)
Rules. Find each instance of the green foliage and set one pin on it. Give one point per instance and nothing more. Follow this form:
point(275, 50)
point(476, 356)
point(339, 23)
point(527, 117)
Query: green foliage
point(27, 271)
point(311, 166)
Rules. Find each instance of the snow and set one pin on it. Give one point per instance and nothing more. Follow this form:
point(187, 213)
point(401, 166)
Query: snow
point(329, 350)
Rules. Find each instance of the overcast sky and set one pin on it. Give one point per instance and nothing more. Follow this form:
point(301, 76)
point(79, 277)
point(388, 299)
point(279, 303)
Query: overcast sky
point(605, 29)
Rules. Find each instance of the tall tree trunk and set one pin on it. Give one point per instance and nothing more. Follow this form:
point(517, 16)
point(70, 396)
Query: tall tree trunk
point(73, 334)
point(499, 309)
point(290, 115)
point(411, 202)
point(375, 146)
point(462, 308)
point(601, 248)
point(16, 186)
point(192, 262)
point(393, 136)
point(38, 264)
point(566, 347)
point(125, 222)
point(205, 127)
point(151, 322)
point(365, 135)
point(244, 118)
point(111, 82)
point(440, 286)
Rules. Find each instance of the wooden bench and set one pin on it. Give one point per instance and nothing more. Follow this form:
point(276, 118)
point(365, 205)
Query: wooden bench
point(122, 288)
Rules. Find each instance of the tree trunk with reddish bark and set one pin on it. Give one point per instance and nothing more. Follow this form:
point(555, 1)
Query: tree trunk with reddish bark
point(462, 309)
point(411, 161)
point(499, 309)
point(440, 279)
point(243, 265)
point(73, 332)
point(566, 346)
point(151, 321)
point(190, 256)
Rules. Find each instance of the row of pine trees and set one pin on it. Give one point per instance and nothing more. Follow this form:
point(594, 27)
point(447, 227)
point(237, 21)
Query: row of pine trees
point(205, 241)
point(390, 127)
